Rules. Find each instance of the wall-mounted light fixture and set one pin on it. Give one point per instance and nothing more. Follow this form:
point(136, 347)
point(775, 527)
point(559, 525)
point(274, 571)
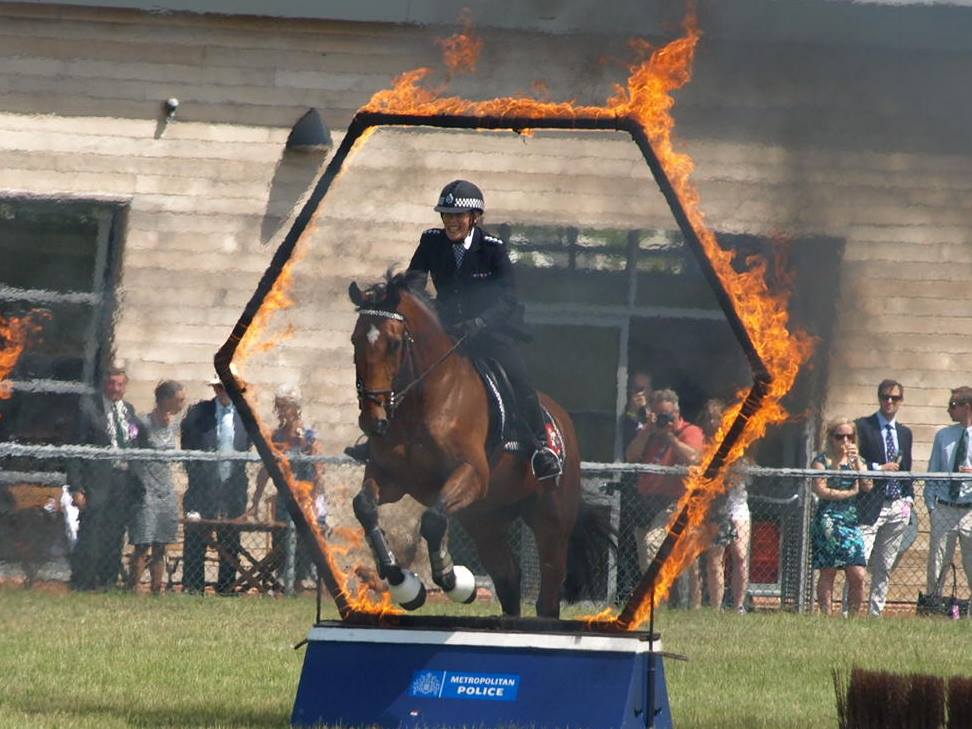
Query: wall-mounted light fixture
point(309, 134)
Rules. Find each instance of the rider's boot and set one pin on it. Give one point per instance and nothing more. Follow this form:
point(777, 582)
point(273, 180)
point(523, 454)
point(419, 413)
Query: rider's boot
point(359, 451)
point(545, 463)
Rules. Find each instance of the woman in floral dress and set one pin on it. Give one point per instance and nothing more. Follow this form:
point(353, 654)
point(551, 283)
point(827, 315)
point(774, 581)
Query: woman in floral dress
point(155, 521)
point(835, 535)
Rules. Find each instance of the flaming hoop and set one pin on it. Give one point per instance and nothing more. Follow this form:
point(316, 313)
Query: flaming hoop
point(757, 317)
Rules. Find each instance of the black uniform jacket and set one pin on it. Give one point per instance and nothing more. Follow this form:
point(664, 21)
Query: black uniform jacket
point(90, 475)
point(206, 493)
point(871, 448)
point(482, 286)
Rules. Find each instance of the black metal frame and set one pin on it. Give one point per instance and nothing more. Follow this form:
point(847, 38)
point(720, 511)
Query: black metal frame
point(364, 121)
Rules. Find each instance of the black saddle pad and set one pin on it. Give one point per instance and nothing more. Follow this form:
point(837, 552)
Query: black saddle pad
point(507, 429)
point(505, 425)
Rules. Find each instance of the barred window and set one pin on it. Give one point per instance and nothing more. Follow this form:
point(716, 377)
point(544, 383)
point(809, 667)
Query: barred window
point(60, 264)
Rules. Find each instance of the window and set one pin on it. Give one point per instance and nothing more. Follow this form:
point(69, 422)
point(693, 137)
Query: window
point(60, 264)
point(601, 302)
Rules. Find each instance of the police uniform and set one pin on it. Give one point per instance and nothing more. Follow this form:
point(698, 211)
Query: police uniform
point(481, 287)
point(476, 298)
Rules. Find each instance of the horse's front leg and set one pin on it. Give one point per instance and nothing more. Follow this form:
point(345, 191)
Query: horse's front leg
point(464, 487)
point(405, 586)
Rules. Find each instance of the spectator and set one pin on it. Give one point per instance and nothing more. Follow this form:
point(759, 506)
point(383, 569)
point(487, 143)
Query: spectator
point(884, 511)
point(666, 440)
point(950, 502)
point(217, 489)
point(636, 411)
point(734, 525)
point(155, 522)
point(103, 490)
point(292, 438)
point(633, 512)
point(835, 535)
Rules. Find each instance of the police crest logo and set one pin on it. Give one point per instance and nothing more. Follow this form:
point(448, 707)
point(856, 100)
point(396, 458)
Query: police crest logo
point(426, 683)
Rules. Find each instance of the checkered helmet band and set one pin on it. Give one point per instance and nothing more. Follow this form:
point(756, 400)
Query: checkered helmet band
point(460, 196)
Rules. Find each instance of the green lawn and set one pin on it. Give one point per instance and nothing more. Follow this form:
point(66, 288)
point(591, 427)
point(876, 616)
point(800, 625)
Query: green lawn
point(105, 661)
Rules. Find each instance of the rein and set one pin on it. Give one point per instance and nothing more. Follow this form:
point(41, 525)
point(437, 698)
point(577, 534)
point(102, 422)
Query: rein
point(395, 399)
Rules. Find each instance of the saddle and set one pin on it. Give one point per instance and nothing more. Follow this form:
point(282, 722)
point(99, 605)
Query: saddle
point(508, 431)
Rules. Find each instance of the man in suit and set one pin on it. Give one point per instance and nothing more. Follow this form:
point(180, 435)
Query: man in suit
point(884, 511)
point(103, 490)
point(216, 490)
point(949, 503)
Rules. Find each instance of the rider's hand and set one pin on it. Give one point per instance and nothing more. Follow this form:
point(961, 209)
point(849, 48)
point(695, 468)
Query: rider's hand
point(469, 328)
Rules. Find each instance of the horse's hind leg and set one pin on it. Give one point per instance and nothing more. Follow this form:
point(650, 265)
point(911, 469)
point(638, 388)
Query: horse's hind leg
point(552, 552)
point(489, 532)
point(406, 588)
point(552, 535)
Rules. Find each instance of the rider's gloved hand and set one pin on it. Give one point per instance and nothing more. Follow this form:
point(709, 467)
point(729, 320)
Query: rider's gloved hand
point(468, 328)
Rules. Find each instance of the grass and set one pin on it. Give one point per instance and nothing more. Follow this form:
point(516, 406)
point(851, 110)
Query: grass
point(106, 661)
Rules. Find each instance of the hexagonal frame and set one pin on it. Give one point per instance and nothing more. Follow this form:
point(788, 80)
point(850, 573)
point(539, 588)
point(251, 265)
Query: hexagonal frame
point(363, 122)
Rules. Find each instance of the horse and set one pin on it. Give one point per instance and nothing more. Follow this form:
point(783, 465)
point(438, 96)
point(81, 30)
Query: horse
point(425, 410)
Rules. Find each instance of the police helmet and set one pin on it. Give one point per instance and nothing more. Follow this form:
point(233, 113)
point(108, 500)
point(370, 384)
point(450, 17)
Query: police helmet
point(460, 196)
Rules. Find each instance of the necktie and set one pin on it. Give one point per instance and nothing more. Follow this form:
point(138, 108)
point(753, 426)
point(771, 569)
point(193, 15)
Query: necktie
point(961, 451)
point(458, 250)
point(121, 427)
point(892, 488)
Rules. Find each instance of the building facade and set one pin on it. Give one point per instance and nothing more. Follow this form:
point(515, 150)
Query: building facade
point(840, 127)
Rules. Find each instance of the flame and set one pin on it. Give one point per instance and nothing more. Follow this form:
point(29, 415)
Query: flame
point(647, 100)
point(460, 52)
point(303, 494)
point(277, 299)
point(14, 332)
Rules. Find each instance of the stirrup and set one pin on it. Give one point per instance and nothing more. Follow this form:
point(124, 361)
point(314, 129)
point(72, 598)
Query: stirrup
point(546, 464)
point(359, 452)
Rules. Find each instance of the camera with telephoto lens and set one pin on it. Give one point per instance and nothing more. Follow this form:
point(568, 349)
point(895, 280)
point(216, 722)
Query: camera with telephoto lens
point(663, 420)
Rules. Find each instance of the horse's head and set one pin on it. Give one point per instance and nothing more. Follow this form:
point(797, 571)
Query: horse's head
point(380, 340)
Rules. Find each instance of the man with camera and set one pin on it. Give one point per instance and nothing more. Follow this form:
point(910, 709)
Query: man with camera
point(636, 412)
point(667, 440)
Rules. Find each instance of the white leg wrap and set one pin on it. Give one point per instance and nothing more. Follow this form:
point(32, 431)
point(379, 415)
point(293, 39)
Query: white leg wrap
point(465, 588)
point(407, 591)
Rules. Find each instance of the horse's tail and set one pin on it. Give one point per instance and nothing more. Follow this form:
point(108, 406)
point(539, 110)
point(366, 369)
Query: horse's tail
point(592, 544)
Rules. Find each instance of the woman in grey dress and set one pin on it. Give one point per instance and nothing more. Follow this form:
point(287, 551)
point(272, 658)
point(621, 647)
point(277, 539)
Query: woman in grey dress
point(155, 521)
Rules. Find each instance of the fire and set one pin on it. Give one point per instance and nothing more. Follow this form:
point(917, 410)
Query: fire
point(460, 52)
point(303, 494)
point(647, 99)
point(14, 332)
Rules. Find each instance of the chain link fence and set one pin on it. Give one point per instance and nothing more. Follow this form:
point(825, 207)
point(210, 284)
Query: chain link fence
point(760, 558)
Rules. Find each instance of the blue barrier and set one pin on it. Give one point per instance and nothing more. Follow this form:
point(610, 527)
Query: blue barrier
point(402, 677)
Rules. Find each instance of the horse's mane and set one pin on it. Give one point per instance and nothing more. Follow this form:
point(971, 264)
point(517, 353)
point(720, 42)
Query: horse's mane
point(386, 294)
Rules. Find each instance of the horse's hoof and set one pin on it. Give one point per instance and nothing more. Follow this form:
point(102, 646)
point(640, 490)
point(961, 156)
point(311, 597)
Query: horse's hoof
point(410, 592)
point(465, 589)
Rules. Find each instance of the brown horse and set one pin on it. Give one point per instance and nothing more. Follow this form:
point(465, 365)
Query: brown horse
point(425, 409)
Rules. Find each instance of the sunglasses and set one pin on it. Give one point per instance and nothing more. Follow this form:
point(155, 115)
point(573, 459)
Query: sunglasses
point(955, 404)
point(843, 436)
point(892, 398)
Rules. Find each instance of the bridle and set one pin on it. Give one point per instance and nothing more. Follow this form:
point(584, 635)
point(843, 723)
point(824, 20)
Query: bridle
point(394, 399)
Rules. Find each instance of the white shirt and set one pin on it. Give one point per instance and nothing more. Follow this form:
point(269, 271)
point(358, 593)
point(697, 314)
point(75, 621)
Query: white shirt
point(943, 460)
point(225, 432)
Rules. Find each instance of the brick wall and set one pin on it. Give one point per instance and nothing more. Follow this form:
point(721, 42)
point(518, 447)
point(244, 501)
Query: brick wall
point(863, 146)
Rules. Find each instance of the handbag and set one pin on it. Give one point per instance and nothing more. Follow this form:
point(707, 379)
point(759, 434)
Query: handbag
point(935, 604)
